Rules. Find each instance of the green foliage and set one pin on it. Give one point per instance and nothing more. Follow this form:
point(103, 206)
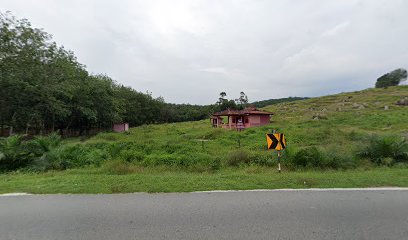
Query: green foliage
point(238, 157)
point(16, 153)
point(308, 157)
point(386, 150)
point(43, 88)
point(264, 103)
point(392, 78)
point(196, 146)
point(119, 167)
point(262, 158)
point(215, 164)
point(12, 153)
point(315, 158)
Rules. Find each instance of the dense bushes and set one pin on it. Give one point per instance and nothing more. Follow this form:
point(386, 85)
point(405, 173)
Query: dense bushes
point(386, 150)
point(123, 153)
point(16, 153)
point(313, 157)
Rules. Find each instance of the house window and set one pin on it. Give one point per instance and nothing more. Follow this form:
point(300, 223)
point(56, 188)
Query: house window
point(246, 120)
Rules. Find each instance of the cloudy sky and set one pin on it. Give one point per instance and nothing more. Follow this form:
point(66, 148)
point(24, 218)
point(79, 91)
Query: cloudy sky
point(189, 51)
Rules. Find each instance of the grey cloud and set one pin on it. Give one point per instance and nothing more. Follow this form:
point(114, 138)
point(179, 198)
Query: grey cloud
point(189, 51)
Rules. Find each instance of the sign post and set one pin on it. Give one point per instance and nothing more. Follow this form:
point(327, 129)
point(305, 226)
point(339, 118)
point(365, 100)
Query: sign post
point(276, 141)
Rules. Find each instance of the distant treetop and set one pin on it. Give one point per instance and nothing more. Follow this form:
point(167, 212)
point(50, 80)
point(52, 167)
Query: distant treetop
point(392, 78)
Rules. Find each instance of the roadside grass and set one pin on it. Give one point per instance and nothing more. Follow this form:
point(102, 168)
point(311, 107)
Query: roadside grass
point(154, 180)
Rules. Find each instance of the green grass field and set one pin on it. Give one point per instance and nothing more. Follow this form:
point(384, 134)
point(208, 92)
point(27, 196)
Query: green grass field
point(147, 180)
point(325, 138)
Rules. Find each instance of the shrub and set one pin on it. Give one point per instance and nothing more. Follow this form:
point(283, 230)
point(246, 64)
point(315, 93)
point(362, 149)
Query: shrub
point(119, 167)
point(178, 160)
point(237, 157)
point(13, 153)
point(71, 156)
point(215, 164)
point(308, 157)
point(16, 153)
point(381, 148)
point(263, 158)
point(337, 159)
point(131, 155)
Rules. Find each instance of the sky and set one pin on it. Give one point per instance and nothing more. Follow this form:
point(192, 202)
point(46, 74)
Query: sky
point(188, 51)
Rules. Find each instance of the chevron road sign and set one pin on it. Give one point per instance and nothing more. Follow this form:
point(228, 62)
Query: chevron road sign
point(276, 141)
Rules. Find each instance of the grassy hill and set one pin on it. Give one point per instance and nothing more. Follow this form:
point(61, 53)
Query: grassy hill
point(343, 120)
point(361, 131)
point(362, 111)
point(337, 126)
point(264, 103)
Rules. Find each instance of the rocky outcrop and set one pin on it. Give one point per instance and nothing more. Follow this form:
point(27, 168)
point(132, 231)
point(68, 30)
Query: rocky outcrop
point(403, 101)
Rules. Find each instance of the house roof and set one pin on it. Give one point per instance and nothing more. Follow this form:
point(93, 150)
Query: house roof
point(246, 111)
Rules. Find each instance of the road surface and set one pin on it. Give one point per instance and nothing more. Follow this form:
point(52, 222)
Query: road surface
point(320, 214)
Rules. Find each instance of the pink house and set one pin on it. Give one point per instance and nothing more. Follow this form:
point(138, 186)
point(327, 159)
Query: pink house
point(121, 127)
point(240, 119)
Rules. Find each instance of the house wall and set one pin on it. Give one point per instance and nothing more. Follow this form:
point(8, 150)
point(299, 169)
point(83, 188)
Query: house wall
point(254, 120)
point(258, 120)
point(121, 127)
point(265, 119)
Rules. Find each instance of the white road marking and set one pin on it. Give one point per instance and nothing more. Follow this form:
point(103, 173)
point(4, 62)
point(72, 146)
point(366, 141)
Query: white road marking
point(251, 190)
point(310, 189)
point(14, 194)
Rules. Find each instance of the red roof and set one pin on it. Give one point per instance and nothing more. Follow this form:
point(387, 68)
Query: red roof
point(246, 111)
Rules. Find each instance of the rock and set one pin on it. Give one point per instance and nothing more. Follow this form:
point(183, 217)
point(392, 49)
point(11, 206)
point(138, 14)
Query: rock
point(361, 107)
point(377, 103)
point(356, 105)
point(339, 109)
point(403, 101)
point(324, 110)
point(386, 107)
point(319, 116)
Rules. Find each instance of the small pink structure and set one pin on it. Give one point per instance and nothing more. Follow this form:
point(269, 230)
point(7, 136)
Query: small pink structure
point(240, 119)
point(121, 127)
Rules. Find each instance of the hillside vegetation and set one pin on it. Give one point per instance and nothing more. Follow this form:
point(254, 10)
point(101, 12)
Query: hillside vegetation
point(358, 131)
point(327, 132)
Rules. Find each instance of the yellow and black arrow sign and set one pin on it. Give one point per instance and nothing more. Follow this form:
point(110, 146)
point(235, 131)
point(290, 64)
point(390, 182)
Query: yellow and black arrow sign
point(276, 141)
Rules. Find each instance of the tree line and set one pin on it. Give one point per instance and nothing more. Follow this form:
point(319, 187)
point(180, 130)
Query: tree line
point(44, 88)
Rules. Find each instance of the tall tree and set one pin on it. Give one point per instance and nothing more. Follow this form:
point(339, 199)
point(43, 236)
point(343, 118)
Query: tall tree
point(222, 98)
point(392, 78)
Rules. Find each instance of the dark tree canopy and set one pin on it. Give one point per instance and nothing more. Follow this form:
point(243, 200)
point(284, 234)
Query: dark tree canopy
point(43, 88)
point(392, 78)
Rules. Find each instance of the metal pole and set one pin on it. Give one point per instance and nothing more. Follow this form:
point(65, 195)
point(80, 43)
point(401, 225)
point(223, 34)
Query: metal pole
point(279, 165)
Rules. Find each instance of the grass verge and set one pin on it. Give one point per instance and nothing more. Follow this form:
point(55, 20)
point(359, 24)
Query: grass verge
point(96, 181)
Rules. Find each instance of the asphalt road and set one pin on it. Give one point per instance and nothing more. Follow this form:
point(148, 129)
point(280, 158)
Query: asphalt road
point(379, 214)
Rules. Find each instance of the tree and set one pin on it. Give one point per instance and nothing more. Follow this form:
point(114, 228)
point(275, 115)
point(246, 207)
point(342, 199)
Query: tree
point(44, 88)
point(392, 78)
point(242, 100)
point(222, 98)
